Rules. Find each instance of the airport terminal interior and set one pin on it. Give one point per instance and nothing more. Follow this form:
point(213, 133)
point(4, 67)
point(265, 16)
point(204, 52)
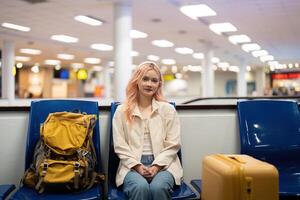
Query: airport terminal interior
point(213, 56)
point(64, 49)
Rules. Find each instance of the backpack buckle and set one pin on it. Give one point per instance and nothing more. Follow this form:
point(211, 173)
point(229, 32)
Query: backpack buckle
point(45, 167)
point(85, 153)
point(76, 167)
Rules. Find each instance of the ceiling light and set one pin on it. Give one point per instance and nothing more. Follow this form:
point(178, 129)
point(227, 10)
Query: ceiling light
point(250, 47)
point(64, 38)
point(65, 56)
point(296, 65)
point(15, 27)
point(184, 50)
point(88, 20)
point(134, 53)
point(168, 61)
point(222, 27)
point(266, 58)
point(194, 68)
point(52, 62)
point(35, 69)
point(31, 51)
point(234, 68)
point(195, 11)
point(97, 68)
point(162, 43)
point(284, 66)
point(215, 60)
point(92, 60)
point(198, 56)
point(259, 53)
point(77, 66)
point(22, 58)
point(290, 65)
point(273, 63)
point(248, 68)
point(102, 47)
point(19, 65)
point(153, 57)
point(237, 39)
point(223, 64)
point(135, 34)
point(57, 67)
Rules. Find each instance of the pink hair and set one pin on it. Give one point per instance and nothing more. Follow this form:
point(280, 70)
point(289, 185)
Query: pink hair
point(132, 87)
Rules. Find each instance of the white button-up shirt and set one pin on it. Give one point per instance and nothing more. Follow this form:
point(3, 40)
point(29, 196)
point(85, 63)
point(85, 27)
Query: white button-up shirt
point(164, 129)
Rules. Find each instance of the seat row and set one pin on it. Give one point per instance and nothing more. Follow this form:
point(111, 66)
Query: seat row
point(270, 131)
point(38, 113)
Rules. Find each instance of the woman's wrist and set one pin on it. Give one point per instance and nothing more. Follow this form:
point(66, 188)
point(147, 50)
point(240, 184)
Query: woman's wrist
point(158, 167)
point(136, 167)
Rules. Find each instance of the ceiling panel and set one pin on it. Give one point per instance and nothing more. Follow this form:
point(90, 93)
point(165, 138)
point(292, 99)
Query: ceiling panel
point(273, 24)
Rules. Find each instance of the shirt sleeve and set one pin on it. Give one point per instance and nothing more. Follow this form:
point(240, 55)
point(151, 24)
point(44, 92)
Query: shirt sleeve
point(172, 141)
point(121, 146)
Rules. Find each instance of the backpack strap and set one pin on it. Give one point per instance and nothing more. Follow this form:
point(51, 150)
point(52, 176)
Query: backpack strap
point(30, 169)
point(86, 172)
point(93, 150)
point(90, 139)
point(76, 172)
point(41, 178)
point(92, 181)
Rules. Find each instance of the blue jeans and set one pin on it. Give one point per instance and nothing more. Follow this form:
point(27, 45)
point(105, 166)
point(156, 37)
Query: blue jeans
point(136, 187)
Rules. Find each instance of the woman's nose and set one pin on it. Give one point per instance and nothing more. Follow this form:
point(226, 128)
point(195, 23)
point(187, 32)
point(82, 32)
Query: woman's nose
point(149, 83)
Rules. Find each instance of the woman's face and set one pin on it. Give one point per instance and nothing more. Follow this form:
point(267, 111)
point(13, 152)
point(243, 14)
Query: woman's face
point(149, 83)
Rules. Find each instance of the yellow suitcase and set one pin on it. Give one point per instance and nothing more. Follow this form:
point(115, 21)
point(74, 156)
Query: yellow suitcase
point(238, 177)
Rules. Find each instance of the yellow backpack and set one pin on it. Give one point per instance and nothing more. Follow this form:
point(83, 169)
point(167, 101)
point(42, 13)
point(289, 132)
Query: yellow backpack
point(65, 156)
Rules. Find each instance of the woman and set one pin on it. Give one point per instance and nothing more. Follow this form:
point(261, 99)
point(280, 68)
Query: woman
point(146, 134)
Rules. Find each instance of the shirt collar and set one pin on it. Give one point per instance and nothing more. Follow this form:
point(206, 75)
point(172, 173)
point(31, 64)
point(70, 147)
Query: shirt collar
point(155, 105)
point(136, 110)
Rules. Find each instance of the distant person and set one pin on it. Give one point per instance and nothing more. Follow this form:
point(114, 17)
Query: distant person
point(283, 91)
point(292, 91)
point(146, 134)
point(28, 94)
point(275, 92)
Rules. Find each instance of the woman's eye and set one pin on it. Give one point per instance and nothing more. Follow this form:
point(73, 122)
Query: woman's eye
point(145, 79)
point(154, 80)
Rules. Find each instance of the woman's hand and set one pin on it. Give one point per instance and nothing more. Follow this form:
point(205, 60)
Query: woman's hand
point(142, 170)
point(153, 170)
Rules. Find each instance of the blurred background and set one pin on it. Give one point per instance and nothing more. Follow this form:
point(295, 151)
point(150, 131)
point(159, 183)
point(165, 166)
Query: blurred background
point(89, 48)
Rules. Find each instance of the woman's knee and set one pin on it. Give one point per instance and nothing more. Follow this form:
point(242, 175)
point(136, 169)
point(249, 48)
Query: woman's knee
point(141, 187)
point(157, 188)
point(138, 191)
point(134, 184)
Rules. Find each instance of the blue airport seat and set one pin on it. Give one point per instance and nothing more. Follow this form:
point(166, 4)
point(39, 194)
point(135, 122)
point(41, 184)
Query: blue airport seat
point(116, 193)
point(196, 183)
point(5, 190)
point(38, 114)
point(270, 131)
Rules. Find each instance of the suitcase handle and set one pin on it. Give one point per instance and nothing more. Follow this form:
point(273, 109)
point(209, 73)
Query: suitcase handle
point(238, 159)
